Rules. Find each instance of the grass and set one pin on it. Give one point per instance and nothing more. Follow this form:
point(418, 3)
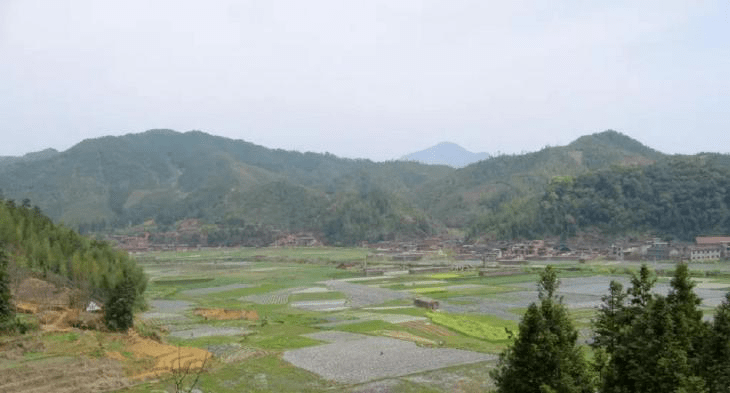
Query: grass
point(260, 374)
point(286, 342)
point(428, 290)
point(182, 281)
point(369, 327)
point(483, 327)
point(443, 276)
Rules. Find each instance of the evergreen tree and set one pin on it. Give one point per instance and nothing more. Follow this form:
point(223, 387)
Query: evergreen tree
point(716, 354)
point(119, 306)
point(655, 345)
point(544, 356)
point(611, 319)
point(6, 310)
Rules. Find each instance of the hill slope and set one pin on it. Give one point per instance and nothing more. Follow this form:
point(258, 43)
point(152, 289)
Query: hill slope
point(168, 176)
point(239, 191)
point(483, 187)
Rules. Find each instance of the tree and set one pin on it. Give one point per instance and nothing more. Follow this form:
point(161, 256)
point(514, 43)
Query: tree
point(611, 318)
point(544, 357)
point(716, 354)
point(119, 306)
point(654, 344)
point(6, 309)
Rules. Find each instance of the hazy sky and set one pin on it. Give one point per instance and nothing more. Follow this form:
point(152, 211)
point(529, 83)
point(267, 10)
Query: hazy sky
point(373, 79)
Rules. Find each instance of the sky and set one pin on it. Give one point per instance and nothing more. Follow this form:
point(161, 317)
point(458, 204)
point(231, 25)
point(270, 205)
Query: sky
point(373, 79)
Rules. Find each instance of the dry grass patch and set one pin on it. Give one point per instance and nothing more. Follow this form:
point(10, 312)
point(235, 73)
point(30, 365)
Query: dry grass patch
point(167, 358)
point(220, 314)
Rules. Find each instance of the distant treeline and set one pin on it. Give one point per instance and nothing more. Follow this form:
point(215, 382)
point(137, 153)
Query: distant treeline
point(35, 244)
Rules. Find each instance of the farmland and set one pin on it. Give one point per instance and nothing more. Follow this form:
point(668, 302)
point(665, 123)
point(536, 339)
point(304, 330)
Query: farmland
point(290, 320)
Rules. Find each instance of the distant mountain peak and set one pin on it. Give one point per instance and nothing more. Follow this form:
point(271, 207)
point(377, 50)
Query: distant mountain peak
point(446, 153)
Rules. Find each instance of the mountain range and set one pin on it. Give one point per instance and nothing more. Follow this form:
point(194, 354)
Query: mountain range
point(161, 177)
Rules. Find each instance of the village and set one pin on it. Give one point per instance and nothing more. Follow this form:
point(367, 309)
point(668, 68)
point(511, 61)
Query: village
point(582, 248)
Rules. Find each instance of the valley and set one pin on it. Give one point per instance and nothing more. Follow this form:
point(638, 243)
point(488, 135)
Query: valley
point(309, 319)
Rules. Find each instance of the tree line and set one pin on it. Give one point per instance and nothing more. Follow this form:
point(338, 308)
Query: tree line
point(642, 342)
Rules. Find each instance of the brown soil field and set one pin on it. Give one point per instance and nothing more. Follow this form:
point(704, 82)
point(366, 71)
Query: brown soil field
point(220, 314)
point(167, 358)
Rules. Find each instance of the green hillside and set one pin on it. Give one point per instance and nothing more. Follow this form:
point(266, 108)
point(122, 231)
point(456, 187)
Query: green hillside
point(34, 244)
point(244, 194)
point(115, 182)
point(678, 197)
point(486, 187)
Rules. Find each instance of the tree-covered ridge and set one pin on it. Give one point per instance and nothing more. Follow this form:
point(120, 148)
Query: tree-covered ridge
point(678, 196)
point(683, 197)
point(166, 176)
point(34, 243)
point(482, 188)
point(117, 182)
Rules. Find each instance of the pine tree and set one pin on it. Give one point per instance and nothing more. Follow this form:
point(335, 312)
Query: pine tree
point(716, 354)
point(544, 356)
point(655, 345)
point(119, 306)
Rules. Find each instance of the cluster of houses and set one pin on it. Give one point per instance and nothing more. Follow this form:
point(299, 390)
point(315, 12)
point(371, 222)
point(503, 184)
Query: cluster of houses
point(704, 248)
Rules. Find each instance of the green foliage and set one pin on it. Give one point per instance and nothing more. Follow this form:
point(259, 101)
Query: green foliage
point(119, 305)
point(681, 197)
point(655, 343)
point(715, 359)
point(33, 242)
point(483, 327)
point(246, 192)
point(544, 356)
point(6, 310)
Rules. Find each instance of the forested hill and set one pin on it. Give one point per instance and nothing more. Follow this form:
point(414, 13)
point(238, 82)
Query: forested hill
point(484, 188)
point(34, 243)
point(678, 197)
point(168, 176)
point(242, 191)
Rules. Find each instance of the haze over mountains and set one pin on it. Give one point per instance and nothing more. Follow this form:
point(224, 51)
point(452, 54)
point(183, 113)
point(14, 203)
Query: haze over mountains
point(446, 153)
point(163, 176)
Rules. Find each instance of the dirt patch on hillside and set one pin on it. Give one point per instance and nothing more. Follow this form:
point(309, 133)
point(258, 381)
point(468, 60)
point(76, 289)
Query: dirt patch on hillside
point(39, 292)
point(220, 314)
point(167, 358)
point(64, 375)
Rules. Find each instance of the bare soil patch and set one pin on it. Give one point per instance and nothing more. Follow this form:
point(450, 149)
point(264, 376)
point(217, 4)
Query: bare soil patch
point(166, 357)
point(220, 314)
point(64, 375)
